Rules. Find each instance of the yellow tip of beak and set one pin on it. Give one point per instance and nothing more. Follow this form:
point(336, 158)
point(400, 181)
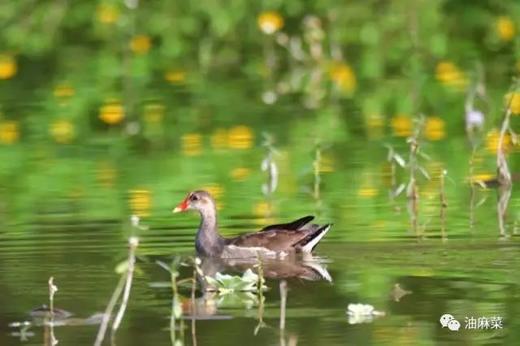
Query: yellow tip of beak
point(176, 210)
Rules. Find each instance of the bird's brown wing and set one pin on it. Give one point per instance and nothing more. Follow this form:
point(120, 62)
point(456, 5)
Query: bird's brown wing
point(274, 239)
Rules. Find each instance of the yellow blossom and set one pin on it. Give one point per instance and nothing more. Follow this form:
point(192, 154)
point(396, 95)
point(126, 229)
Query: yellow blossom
point(217, 191)
point(263, 211)
point(175, 76)
point(240, 137)
point(62, 131)
point(270, 22)
point(343, 76)
point(434, 128)
point(112, 112)
point(492, 141)
point(218, 139)
point(375, 124)
point(450, 75)
point(140, 201)
point(154, 113)
point(107, 13)
point(63, 91)
point(106, 174)
point(480, 178)
point(505, 28)
point(9, 132)
point(367, 192)
point(8, 66)
point(513, 101)
point(140, 44)
point(240, 173)
point(326, 164)
point(191, 144)
point(401, 125)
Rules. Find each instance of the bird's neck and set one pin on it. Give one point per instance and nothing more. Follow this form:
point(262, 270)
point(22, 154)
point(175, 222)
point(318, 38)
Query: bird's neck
point(209, 242)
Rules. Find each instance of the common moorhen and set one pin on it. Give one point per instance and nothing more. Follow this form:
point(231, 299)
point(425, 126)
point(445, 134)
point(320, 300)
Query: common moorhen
point(272, 241)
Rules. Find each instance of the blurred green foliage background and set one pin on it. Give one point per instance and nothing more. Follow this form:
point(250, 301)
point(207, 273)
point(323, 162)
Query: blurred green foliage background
point(152, 70)
point(83, 84)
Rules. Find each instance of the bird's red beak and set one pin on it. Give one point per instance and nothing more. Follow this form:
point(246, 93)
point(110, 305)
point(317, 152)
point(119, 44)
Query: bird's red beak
point(182, 206)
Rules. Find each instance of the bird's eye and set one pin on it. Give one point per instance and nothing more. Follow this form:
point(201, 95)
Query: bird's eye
point(194, 198)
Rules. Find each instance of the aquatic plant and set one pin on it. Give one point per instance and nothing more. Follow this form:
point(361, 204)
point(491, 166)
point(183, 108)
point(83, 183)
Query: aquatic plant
point(443, 203)
point(269, 165)
point(226, 284)
point(412, 190)
point(362, 313)
point(394, 159)
point(126, 269)
point(503, 172)
point(176, 306)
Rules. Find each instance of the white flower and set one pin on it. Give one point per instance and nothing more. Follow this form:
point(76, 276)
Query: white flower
point(474, 119)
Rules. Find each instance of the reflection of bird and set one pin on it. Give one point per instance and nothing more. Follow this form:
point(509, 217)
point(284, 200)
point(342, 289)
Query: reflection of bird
point(45, 312)
point(397, 292)
point(307, 267)
point(42, 314)
point(272, 241)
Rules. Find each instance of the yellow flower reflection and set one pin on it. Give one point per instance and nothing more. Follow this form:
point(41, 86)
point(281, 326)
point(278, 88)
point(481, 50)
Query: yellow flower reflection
point(64, 90)
point(191, 144)
point(154, 113)
point(367, 191)
point(8, 66)
point(219, 139)
point(140, 201)
point(107, 13)
point(481, 178)
point(263, 211)
point(9, 132)
point(375, 124)
point(240, 137)
point(513, 100)
point(492, 139)
point(62, 131)
point(240, 173)
point(106, 174)
point(270, 22)
point(217, 191)
point(326, 164)
point(112, 112)
point(401, 125)
point(140, 44)
point(434, 129)
point(450, 75)
point(343, 76)
point(175, 76)
point(505, 28)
